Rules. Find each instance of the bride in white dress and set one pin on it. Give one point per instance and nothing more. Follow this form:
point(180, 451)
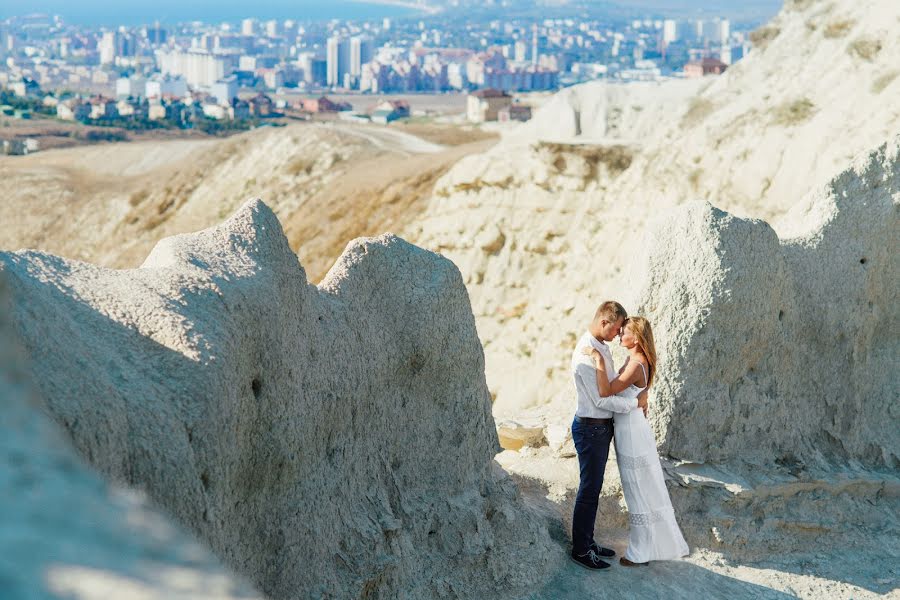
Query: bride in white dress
point(653, 532)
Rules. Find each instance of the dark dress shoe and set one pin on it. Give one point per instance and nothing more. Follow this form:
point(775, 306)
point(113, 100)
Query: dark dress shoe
point(627, 563)
point(603, 552)
point(590, 560)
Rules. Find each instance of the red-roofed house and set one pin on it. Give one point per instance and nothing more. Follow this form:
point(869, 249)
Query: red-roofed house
point(704, 66)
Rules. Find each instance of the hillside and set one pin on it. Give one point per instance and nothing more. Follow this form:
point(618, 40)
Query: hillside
point(110, 203)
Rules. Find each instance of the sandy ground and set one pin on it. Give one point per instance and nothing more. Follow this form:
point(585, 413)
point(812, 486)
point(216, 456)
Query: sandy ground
point(123, 159)
point(549, 483)
point(391, 139)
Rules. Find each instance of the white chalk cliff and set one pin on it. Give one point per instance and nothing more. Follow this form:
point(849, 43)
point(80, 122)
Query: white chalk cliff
point(67, 533)
point(791, 341)
point(777, 393)
point(325, 442)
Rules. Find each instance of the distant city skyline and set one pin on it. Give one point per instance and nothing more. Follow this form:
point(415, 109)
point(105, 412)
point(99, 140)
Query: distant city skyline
point(224, 70)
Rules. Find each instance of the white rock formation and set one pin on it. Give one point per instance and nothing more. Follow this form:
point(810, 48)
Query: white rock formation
point(581, 139)
point(596, 112)
point(325, 442)
point(66, 533)
point(781, 350)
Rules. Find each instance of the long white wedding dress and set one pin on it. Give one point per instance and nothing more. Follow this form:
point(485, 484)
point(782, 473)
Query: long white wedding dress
point(653, 532)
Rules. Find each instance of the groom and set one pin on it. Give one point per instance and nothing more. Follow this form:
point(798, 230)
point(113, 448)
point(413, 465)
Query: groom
point(592, 430)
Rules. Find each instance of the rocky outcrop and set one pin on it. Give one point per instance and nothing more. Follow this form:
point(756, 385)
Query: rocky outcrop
point(581, 139)
point(776, 397)
point(65, 532)
point(792, 343)
point(325, 442)
point(598, 111)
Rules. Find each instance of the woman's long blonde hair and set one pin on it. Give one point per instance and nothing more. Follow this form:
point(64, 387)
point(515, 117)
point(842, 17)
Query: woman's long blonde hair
point(640, 328)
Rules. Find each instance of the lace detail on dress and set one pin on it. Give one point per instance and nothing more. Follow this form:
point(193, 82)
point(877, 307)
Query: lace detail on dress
point(634, 462)
point(648, 519)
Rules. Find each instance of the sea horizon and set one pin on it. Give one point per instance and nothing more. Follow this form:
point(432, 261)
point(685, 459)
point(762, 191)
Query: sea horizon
point(171, 12)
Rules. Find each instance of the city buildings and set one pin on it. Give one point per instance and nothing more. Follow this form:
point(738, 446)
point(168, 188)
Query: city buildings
point(225, 89)
point(485, 105)
point(514, 112)
point(199, 68)
point(361, 52)
point(163, 70)
point(158, 86)
point(322, 104)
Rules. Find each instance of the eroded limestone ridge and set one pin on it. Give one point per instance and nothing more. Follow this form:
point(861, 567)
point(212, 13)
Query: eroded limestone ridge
point(66, 533)
point(781, 350)
point(325, 442)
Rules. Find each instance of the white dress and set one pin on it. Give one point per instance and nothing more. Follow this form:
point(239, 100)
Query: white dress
point(653, 532)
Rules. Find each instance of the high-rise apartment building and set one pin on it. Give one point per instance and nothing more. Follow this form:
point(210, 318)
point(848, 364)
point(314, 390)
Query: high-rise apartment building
point(199, 68)
point(107, 47)
point(520, 53)
point(338, 59)
point(361, 51)
point(670, 31)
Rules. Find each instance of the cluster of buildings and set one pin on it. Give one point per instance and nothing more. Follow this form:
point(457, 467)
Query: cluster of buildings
point(179, 111)
point(169, 99)
point(429, 54)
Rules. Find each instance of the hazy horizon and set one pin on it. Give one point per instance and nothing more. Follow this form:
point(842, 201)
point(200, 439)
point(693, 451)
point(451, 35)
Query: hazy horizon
point(93, 12)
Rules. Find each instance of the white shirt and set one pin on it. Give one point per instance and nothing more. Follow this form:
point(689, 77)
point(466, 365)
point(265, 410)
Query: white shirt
point(590, 403)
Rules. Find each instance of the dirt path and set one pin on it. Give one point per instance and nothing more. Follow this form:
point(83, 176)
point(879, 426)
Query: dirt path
point(390, 139)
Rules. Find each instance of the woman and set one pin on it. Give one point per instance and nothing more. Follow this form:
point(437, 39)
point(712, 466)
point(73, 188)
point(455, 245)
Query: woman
point(654, 534)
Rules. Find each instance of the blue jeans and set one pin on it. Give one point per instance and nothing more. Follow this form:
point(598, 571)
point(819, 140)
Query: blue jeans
point(592, 446)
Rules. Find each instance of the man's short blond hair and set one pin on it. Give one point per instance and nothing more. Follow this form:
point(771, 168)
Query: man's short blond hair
point(610, 311)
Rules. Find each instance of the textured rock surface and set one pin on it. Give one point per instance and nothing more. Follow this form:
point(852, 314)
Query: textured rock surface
point(597, 111)
point(777, 394)
point(579, 140)
point(65, 533)
point(333, 441)
point(794, 342)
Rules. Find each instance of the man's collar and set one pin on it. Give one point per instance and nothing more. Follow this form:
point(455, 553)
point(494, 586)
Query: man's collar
point(598, 344)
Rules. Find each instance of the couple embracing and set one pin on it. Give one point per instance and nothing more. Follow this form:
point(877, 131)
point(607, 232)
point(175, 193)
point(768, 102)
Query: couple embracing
point(613, 404)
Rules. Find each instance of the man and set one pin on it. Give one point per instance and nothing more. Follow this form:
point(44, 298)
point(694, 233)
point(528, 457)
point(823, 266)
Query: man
point(592, 430)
